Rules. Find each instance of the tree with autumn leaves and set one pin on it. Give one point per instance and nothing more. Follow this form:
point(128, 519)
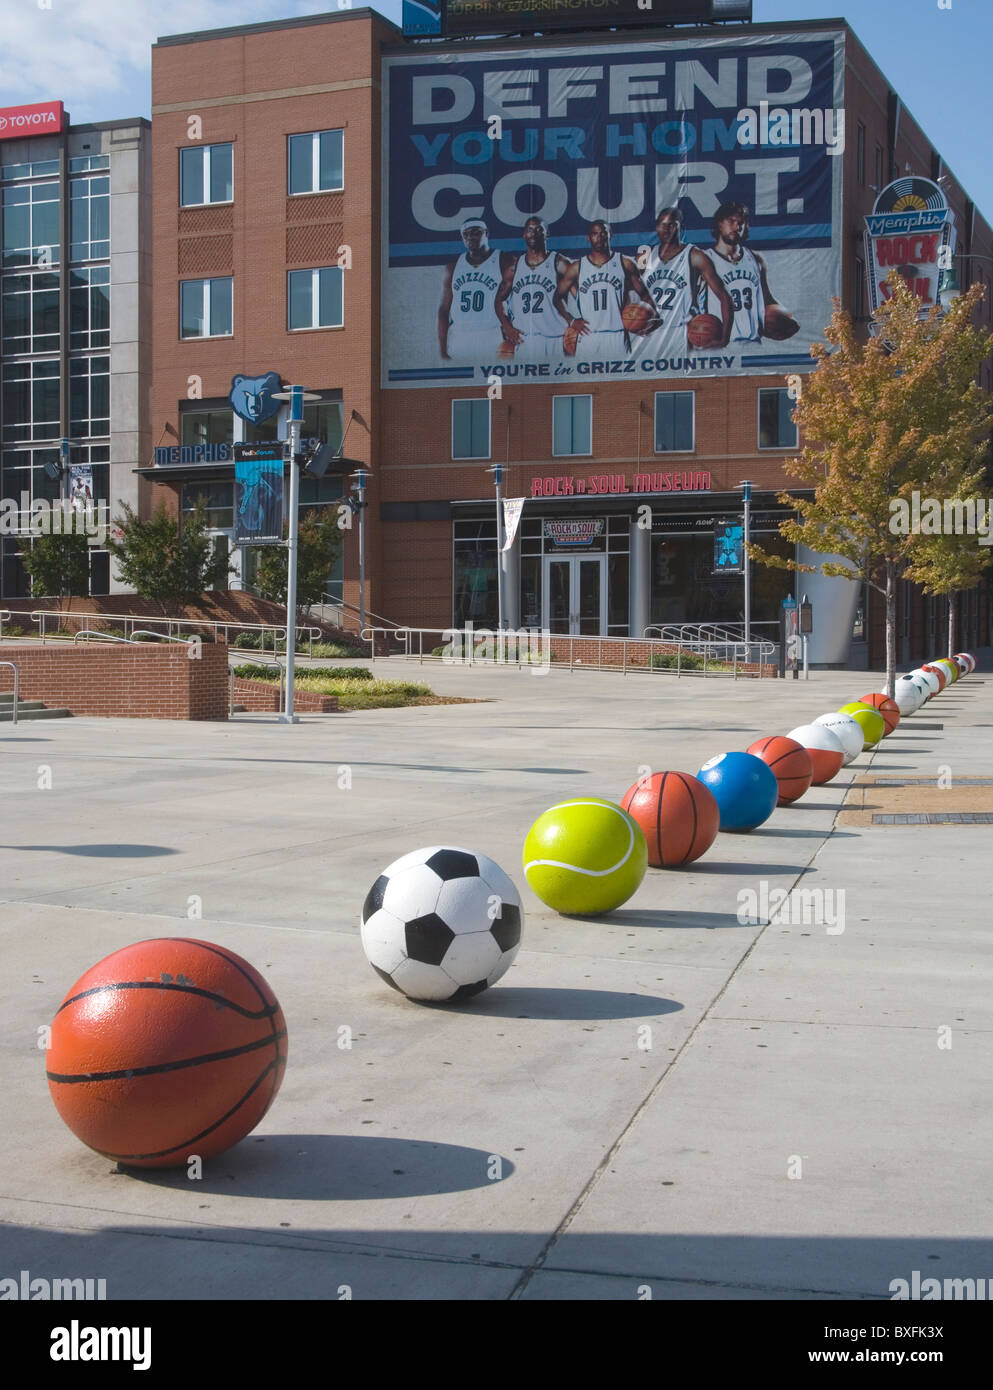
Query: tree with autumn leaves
point(881, 420)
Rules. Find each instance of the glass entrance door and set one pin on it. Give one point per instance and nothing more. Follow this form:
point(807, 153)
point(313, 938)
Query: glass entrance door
point(575, 600)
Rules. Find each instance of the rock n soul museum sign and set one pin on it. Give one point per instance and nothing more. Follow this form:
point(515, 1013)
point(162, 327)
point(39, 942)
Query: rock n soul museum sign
point(619, 485)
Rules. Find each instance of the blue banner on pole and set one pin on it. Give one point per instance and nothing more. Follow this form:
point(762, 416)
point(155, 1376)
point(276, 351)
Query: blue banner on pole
point(258, 493)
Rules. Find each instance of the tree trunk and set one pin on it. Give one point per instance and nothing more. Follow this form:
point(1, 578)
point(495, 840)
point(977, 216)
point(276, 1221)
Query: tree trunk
point(953, 614)
point(890, 627)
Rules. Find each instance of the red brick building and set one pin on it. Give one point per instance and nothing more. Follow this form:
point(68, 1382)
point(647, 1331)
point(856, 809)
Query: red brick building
point(274, 251)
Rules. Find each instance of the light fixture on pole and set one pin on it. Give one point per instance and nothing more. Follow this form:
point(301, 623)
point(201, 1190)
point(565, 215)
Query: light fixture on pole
point(746, 494)
point(296, 396)
point(359, 504)
point(497, 470)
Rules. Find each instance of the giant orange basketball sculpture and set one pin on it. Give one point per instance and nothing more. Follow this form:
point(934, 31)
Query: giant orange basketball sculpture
point(791, 763)
point(678, 814)
point(166, 1049)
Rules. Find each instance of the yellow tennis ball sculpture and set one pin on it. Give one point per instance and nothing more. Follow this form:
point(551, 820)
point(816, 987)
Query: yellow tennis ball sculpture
point(871, 722)
point(585, 856)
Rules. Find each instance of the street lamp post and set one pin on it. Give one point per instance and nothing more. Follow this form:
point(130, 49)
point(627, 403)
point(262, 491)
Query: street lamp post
point(746, 493)
point(359, 505)
point(497, 470)
point(296, 396)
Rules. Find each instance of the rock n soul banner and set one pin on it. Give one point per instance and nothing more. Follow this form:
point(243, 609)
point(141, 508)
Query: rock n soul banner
point(523, 195)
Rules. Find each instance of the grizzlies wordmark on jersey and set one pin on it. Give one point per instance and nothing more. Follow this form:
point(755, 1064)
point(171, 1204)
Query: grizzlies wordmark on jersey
point(670, 283)
point(743, 282)
point(531, 302)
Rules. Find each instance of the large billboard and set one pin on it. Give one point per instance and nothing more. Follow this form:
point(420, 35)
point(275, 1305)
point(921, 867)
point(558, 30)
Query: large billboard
point(658, 208)
point(458, 18)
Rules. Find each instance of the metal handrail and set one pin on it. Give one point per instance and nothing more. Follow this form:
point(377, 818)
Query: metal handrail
point(39, 616)
point(330, 601)
point(159, 636)
point(412, 641)
point(269, 666)
point(13, 667)
point(95, 632)
point(5, 617)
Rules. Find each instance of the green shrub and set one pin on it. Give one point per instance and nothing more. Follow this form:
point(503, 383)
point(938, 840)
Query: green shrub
point(685, 661)
point(12, 630)
point(326, 673)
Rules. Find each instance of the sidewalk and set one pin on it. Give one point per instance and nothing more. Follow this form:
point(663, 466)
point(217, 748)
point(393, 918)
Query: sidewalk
point(624, 1109)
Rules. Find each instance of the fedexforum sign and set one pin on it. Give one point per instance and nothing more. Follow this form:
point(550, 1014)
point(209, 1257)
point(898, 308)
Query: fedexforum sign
point(40, 118)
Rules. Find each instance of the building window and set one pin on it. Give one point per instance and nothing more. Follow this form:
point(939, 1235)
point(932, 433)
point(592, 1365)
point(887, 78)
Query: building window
point(89, 219)
point(474, 596)
point(205, 308)
point(89, 307)
point(674, 422)
point(776, 427)
point(860, 154)
point(316, 162)
point(315, 298)
point(471, 429)
point(572, 425)
point(323, 420)
point(859, 288)
point(89, 397)
point(31, 313)
point(206, 175)
point(41, 168)
point(218, 498)
point(89, 163)
point(206, 426)
point(31, 225)
point(30, 401)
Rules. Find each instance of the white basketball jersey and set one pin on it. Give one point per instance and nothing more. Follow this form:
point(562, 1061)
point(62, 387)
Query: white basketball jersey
point(531, 303)
point(670, 285)
point(743, 283)
point(474, 289)
point(600, 294)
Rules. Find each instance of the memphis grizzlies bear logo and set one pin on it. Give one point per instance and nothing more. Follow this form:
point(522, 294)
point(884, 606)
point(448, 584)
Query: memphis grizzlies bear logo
point(252, 396)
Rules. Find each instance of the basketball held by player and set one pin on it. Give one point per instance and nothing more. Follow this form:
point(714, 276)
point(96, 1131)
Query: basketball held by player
point(592, 294)
point(744, 276)
point(468, 326)
point(531, 319)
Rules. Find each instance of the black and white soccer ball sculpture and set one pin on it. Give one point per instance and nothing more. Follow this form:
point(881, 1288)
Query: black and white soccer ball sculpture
point(442, 924)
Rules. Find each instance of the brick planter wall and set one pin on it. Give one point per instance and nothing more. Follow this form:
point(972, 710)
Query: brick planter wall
point(260, 695)
point(146, 681)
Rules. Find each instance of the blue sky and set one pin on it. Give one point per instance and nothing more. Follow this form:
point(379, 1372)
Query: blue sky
point(94, 54)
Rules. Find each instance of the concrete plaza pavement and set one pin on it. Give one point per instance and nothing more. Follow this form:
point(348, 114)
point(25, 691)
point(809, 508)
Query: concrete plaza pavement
point(661, 1100)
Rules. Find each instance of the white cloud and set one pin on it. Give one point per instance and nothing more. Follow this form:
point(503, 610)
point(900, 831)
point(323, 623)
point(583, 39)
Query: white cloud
point(95, 55)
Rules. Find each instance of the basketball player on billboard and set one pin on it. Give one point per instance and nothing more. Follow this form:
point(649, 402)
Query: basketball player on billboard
point(526, 302)
point(468, 327)
point(757, 315)
point(677, 275)
point(599, 286)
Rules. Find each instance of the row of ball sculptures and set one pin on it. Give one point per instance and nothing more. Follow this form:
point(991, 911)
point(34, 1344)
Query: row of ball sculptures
point(174, 1049)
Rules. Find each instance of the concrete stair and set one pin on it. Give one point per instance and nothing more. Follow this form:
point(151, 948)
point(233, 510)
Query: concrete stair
point(28, 709)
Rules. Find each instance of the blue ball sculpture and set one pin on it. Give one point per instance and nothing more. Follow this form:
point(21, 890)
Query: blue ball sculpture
point(745, 788)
